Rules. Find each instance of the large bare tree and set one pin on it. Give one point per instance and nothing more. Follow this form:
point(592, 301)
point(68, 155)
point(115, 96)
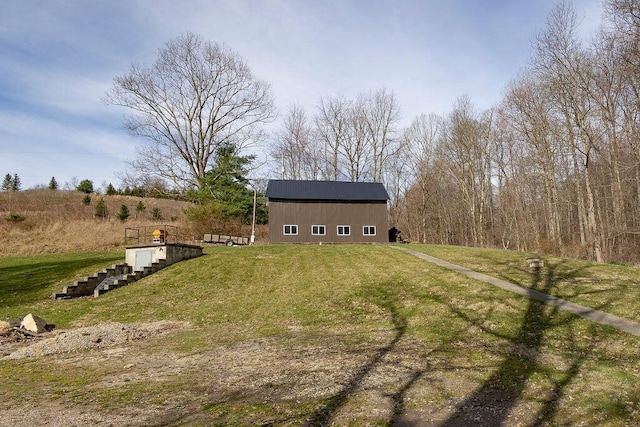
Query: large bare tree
point(197, 96)
point(556, 167)
point(296, 147)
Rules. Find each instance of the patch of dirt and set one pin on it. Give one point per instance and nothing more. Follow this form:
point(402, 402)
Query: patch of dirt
point(18, 345)
point(404, 382)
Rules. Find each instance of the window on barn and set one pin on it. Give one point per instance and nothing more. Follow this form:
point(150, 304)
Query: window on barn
point(290, 230)
point(318, 230)
point(369, 230)
point(344, 230)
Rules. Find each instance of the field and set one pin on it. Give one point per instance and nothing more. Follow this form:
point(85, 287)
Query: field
point(59, 221)
point(318, 335)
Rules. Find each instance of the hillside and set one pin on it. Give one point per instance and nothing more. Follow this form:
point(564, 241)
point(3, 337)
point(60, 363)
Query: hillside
point(321, 335)
point(59, 221)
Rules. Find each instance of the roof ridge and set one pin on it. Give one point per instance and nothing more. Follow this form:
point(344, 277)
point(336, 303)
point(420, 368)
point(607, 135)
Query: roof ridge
point(326, 190)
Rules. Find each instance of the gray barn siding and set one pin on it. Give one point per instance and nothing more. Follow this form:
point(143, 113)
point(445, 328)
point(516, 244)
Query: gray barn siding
point(304, 214)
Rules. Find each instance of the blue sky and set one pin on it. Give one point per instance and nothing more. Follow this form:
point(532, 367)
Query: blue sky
point(57, 59)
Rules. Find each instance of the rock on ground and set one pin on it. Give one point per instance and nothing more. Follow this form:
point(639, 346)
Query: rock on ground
point(5, 327)
point(34, 324)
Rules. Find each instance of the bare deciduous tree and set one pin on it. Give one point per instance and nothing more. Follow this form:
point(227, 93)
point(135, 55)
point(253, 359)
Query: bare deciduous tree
point(332, 125)
point(383, 113)
point(420, 141)
point(195, 97)
point(296, 147)
point(556, 168)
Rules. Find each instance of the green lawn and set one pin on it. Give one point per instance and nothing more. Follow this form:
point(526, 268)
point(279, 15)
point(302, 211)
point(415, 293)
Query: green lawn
point(27, 282)
point(611, 288)
point(428, 342)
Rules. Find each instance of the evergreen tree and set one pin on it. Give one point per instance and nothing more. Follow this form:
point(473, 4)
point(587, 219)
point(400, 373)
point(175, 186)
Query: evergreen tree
point(225, 186)
point(155, 214)
point(53, 184)
point(111, 190)
point(123, 215)
point(140, 208)
point(101, 209)
point(16, 183)
point(7, 182)
point(86, 186)
point(86, 199)
point(138, 192)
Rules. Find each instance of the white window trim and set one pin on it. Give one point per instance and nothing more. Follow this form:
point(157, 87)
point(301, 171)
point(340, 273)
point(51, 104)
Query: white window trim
point(343, 234)
point(284, 227)
point(324, 228)
point(364, 227)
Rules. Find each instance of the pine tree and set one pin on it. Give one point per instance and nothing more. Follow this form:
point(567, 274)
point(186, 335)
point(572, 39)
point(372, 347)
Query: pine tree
point(101, 209)
point(155, 213)
point(7, 182)
point(111, 190)
point(53, 184)
point(140, 208)
point(123, 215)
point(16, 183)
point(225, 186)
point(86, 186)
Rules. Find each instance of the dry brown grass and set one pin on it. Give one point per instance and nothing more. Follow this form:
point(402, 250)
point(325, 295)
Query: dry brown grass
point(59, 221)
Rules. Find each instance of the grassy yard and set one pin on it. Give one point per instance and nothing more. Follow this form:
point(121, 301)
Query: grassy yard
point(27, 282)
point(349, 334)
point(611, 288)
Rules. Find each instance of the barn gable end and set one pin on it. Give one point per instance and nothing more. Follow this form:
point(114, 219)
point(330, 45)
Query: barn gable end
point(327, 212)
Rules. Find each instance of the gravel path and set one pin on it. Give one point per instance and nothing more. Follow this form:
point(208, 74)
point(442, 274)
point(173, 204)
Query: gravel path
point(579, 310)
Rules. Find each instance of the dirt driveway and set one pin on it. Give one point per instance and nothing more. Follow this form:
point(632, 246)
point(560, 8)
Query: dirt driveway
point(268, 382)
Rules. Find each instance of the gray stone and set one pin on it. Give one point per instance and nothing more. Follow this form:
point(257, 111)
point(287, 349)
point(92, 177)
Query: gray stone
point(535, 263)
point(5, 327)
point(34, 324)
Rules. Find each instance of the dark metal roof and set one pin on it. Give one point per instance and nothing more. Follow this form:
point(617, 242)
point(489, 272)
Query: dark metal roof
point(326, 190)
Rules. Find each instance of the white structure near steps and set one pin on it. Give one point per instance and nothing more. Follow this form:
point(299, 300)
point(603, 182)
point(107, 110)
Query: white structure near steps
point(141, 256)
point(140, 261)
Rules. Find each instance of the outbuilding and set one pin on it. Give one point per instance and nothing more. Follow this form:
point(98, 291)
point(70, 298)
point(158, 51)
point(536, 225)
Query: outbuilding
point(327, 212)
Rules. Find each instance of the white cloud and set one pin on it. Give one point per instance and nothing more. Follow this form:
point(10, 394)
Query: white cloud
point(58, 58)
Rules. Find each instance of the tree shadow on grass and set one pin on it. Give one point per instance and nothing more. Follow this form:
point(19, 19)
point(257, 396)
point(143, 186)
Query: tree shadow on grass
point(25, 283)
point(323, 416)
point(490, 405)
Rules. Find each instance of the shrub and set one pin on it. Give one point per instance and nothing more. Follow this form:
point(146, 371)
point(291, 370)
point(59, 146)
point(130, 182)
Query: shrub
point(123, 214)
point(86, 200)
point(155, 213)
point(86, 186)
point(15, 217)
point(101, 209)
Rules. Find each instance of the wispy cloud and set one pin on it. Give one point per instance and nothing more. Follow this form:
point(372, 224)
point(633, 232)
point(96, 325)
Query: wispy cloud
point(58, 58)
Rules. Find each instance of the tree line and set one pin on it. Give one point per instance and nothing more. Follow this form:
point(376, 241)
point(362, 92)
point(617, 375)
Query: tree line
point(554, 167)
